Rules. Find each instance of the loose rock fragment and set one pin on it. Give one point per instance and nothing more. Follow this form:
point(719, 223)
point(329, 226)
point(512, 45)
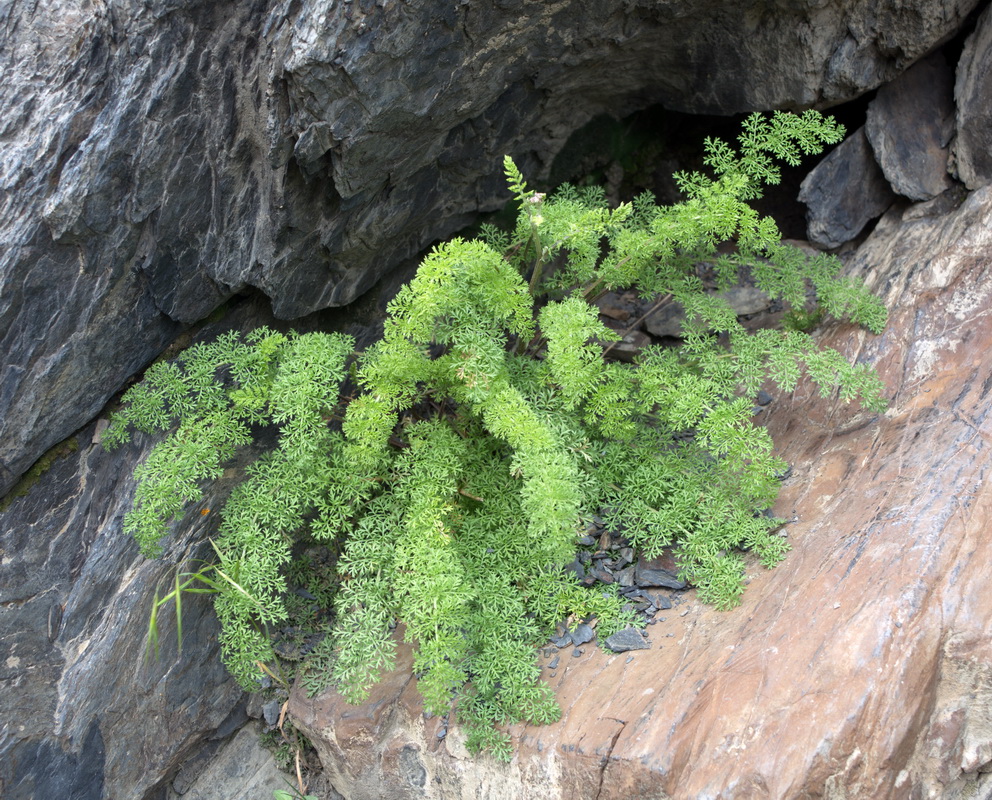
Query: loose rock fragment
point(627, 639)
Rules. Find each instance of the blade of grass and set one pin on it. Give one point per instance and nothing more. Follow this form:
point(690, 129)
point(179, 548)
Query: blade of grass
point(179, 615)
point(153, 629)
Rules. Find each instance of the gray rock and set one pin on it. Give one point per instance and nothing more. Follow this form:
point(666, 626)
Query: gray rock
point(627, 639)
point(161, 155)
point(658, 578)
point(240, 769)
point(667, 320)
point(972, 148)
point(625, 577)
point(583, 633)
point(910, 125)
point(270, 713)
point(844, 193)
point(85, 713)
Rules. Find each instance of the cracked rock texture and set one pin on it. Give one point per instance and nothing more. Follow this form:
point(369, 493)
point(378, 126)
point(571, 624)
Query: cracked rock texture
point(83, 713)
point(861, 667)
point(910, 125)
point(972, 90)
point(157, 156)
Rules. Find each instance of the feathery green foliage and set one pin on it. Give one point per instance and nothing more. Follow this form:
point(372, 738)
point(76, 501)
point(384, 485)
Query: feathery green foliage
point(487, 425)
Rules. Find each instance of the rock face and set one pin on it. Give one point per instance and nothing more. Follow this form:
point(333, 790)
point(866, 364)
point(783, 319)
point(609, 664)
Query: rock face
point(241, 769)
point(83, 713)
point(845, 192)
point(858, 668)
point(910, 125)
point(159, 156)
point(972, 89)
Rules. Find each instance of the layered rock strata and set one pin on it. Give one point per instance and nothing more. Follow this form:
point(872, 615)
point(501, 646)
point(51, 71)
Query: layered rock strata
point(157, 157)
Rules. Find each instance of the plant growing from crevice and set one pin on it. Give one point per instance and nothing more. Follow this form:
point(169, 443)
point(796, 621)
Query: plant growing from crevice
point(474, 438)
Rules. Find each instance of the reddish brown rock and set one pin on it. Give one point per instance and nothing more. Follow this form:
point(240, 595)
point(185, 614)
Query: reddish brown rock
point(861, 667)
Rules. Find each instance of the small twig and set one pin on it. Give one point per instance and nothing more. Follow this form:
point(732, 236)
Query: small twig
point(299, 774)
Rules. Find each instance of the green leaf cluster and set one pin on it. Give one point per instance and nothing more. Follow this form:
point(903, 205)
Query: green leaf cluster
point(487, 425)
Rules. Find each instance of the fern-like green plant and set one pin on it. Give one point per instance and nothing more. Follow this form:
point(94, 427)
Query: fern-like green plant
point(487, 425)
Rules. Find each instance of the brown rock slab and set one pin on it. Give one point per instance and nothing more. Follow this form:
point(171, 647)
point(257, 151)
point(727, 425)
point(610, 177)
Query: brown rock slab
point(861, 667)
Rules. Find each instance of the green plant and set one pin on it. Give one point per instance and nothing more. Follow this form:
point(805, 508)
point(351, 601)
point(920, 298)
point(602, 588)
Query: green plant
point(487, 424)
point(291, 794)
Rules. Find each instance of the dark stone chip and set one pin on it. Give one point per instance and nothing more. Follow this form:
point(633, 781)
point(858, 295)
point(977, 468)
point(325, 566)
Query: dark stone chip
point(270, 711)
point(659, 577)
point(627, 639)
point(625, 577)
point(576, 568)
point(582, 634)
point(602, 575)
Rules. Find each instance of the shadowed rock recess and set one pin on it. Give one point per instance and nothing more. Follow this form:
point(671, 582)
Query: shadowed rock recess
point(158, 157)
